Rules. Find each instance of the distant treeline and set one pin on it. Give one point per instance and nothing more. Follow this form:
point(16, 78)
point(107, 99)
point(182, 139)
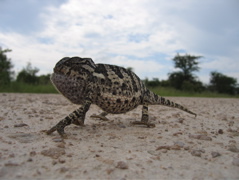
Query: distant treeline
point(184, 79)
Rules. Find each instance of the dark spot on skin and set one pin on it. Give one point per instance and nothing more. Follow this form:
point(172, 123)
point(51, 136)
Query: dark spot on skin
point(114, 92)
point(102, 81)
point(126, 101)
point(133, 100)
point(124, 86)
point(118, 101)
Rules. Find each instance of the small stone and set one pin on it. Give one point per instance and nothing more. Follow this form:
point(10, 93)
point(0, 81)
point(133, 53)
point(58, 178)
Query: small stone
point(63, 169)
point(11, 164)
point(179, 143)
point(164, 150)
point(233, 148)
point(175, 147)
point(20, 125)
point(122, 126)
point(33, 153)
point(186, 148)
point(54, 153)
point(177, 133)
point(11, 155)
point(215, 154)
point(154, 153)
point(57, 139)
point(230, 123)
point(109, 171)
point(220, 131)
point(61, 145)
point(235, 162)
point(122, 165)
point(180, 120)
point(200, 137)
point(163, 147)
point(61, 161)
point(30, 160)
point(197, 153)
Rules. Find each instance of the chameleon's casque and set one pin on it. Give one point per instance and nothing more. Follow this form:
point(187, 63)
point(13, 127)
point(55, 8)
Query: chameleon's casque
point(114, 89)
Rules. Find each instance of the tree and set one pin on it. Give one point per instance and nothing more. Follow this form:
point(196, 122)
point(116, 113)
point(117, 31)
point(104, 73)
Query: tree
point(28, 75)
point(152, 83)
point(44, 79)
point(5, 67)
point(185, 78)
point(222, 83)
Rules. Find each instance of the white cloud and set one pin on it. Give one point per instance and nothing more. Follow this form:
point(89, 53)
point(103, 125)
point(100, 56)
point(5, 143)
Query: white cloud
point(127, 33)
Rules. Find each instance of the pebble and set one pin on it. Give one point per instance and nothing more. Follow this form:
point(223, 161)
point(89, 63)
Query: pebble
point(33, 153)
point(154, 153)
point(200, 137)
point(235, 162)
point(215, 154)
point(197, 153)
point(179, 143)
point(11, 164)
point(220, 131)
point(63, 169)
point(54, 153)
point(233, 148)
point(20, 125)
point(122, 165)
point(163, 147)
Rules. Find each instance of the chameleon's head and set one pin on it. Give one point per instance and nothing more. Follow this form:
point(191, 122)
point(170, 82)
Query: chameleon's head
point(74, 65)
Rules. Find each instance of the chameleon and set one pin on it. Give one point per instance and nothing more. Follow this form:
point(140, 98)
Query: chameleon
point(113, 88)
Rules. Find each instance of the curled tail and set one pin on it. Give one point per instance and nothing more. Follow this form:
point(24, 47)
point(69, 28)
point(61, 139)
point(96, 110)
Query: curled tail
point(155, 99)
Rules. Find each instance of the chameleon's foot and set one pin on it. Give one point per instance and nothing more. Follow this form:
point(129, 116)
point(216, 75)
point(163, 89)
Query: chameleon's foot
point(103, 118)
point(60, 130)
point(149, 125)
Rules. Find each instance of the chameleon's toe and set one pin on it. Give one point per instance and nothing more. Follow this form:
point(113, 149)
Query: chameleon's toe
point(149, 125)
point(60, 131)
point(50, 131)
point(103, 118)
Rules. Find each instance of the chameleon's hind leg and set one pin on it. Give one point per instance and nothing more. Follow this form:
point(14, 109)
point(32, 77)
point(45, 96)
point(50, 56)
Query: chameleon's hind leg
point(145, 118)
point(101, 116)
point(77, 117)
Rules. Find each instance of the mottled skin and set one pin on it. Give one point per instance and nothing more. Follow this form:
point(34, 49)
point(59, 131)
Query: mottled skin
point(114, 89)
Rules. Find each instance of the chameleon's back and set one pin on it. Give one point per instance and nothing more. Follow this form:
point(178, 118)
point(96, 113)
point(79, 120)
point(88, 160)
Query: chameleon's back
point(117, 90)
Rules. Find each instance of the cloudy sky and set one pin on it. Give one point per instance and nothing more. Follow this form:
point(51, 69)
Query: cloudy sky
point(143, 34)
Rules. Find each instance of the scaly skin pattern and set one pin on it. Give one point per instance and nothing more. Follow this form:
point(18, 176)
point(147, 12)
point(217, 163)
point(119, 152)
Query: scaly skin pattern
point(114, 89)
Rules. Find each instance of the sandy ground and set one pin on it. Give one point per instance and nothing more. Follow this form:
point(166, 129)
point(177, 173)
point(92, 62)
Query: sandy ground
point(179, 147)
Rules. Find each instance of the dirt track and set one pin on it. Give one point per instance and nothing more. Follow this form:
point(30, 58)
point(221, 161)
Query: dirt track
point(179, 147)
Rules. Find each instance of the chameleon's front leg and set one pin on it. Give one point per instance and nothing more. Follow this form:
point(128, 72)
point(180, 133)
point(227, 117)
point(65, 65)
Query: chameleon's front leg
point(77, 117)
point(144, 118)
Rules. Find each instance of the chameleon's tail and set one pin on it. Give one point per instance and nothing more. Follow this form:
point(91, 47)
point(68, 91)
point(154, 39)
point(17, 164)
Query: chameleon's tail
point(155, 99)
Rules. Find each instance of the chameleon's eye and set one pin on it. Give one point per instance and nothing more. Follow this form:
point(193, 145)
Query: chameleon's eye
point(62, 61)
